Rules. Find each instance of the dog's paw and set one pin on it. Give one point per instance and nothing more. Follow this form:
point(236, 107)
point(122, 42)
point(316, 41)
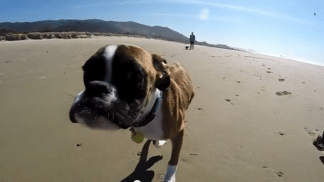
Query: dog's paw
point(170, 180)
point(159, 143)
point(170, 174)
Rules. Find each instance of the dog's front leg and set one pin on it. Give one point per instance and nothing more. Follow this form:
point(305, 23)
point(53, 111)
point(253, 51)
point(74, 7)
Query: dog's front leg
point(172, 165)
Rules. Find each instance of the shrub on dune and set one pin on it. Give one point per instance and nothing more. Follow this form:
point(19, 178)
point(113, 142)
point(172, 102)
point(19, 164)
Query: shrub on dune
point(75, 35)
point(12, 37)
point(66, 36)
point(23, 37)
point(83, 36)
point(48, 35)
point(58, 35)
point(35, 36)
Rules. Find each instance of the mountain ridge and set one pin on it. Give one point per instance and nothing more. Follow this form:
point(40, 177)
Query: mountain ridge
point(101, 26)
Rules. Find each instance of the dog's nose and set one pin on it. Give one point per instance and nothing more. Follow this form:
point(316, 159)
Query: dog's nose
point(73, 120)
point(96, 88)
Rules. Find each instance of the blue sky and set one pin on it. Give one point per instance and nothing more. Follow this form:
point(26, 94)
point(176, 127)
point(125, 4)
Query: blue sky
point(274, 27)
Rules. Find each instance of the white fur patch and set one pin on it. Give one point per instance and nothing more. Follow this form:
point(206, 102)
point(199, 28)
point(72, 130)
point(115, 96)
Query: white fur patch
point(78, 97)
point(170, 174)
point(160, 143)
point(111, 96)
point(109, 53)
point(157, 93)
point(153, 130)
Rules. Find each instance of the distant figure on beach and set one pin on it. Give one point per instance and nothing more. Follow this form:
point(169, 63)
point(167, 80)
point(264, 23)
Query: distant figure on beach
point(192, 40)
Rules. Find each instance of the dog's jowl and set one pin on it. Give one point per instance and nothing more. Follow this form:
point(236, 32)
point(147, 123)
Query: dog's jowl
point(128, 88)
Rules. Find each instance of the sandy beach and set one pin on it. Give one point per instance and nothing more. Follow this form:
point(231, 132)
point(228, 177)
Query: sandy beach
point(253, 118)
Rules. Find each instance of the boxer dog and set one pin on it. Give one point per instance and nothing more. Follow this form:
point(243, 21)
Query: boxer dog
point(128, 88)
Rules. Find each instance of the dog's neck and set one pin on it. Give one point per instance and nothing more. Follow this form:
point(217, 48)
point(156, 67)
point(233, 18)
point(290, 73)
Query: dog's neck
point(150, 110)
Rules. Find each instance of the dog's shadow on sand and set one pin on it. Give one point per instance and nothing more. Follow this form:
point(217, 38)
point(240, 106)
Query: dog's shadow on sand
point(141, 172)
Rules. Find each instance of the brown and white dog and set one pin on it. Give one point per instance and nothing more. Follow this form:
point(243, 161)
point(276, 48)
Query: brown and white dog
point(127, 87)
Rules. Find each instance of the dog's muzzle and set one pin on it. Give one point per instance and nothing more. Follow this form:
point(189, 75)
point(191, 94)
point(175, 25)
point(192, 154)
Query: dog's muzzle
point(95, 101)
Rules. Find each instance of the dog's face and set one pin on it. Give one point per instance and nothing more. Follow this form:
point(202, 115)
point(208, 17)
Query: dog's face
point(120, 82)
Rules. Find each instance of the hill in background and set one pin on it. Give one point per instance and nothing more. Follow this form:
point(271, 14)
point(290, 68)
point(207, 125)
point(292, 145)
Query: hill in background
point(100, 26)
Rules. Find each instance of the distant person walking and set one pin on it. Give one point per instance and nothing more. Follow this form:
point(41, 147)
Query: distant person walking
point(192, 40)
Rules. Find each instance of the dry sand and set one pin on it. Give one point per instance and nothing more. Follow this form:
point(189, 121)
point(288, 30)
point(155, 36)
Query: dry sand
point(238, 128)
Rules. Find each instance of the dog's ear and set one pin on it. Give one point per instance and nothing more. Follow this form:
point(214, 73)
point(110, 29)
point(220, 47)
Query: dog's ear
point(163, 82)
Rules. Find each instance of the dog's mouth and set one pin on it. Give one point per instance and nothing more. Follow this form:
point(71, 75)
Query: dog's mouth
point(94, 112)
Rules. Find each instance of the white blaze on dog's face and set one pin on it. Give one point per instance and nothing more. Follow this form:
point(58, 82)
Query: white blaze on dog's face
point(120, 83)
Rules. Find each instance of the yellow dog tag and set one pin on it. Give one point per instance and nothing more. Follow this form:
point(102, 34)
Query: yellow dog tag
point(137, 137)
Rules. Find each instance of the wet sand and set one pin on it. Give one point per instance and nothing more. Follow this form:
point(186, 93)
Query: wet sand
point(254, 117)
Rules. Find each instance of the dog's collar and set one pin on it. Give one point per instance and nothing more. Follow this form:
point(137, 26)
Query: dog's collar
point(148, 117)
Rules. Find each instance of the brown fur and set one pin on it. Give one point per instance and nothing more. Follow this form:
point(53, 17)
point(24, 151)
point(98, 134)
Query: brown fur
point(176, 100)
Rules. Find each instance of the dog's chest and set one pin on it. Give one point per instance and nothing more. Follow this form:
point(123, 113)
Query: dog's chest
point(154, 129)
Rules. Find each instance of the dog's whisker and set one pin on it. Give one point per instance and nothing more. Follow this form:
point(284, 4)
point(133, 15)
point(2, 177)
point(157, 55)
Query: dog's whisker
point(68, 94)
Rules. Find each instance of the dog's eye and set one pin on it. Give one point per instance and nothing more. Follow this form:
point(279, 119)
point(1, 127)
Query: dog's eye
point(134, 77)
point(94, 69)
point(129, 79)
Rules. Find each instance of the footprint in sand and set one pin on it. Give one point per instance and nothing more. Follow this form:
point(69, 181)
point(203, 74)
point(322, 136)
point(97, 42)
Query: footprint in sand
point(283, 93)
point(269, 72)
point(279, 173)
point(281, 79)
point(228, 100)
point(310, 132)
